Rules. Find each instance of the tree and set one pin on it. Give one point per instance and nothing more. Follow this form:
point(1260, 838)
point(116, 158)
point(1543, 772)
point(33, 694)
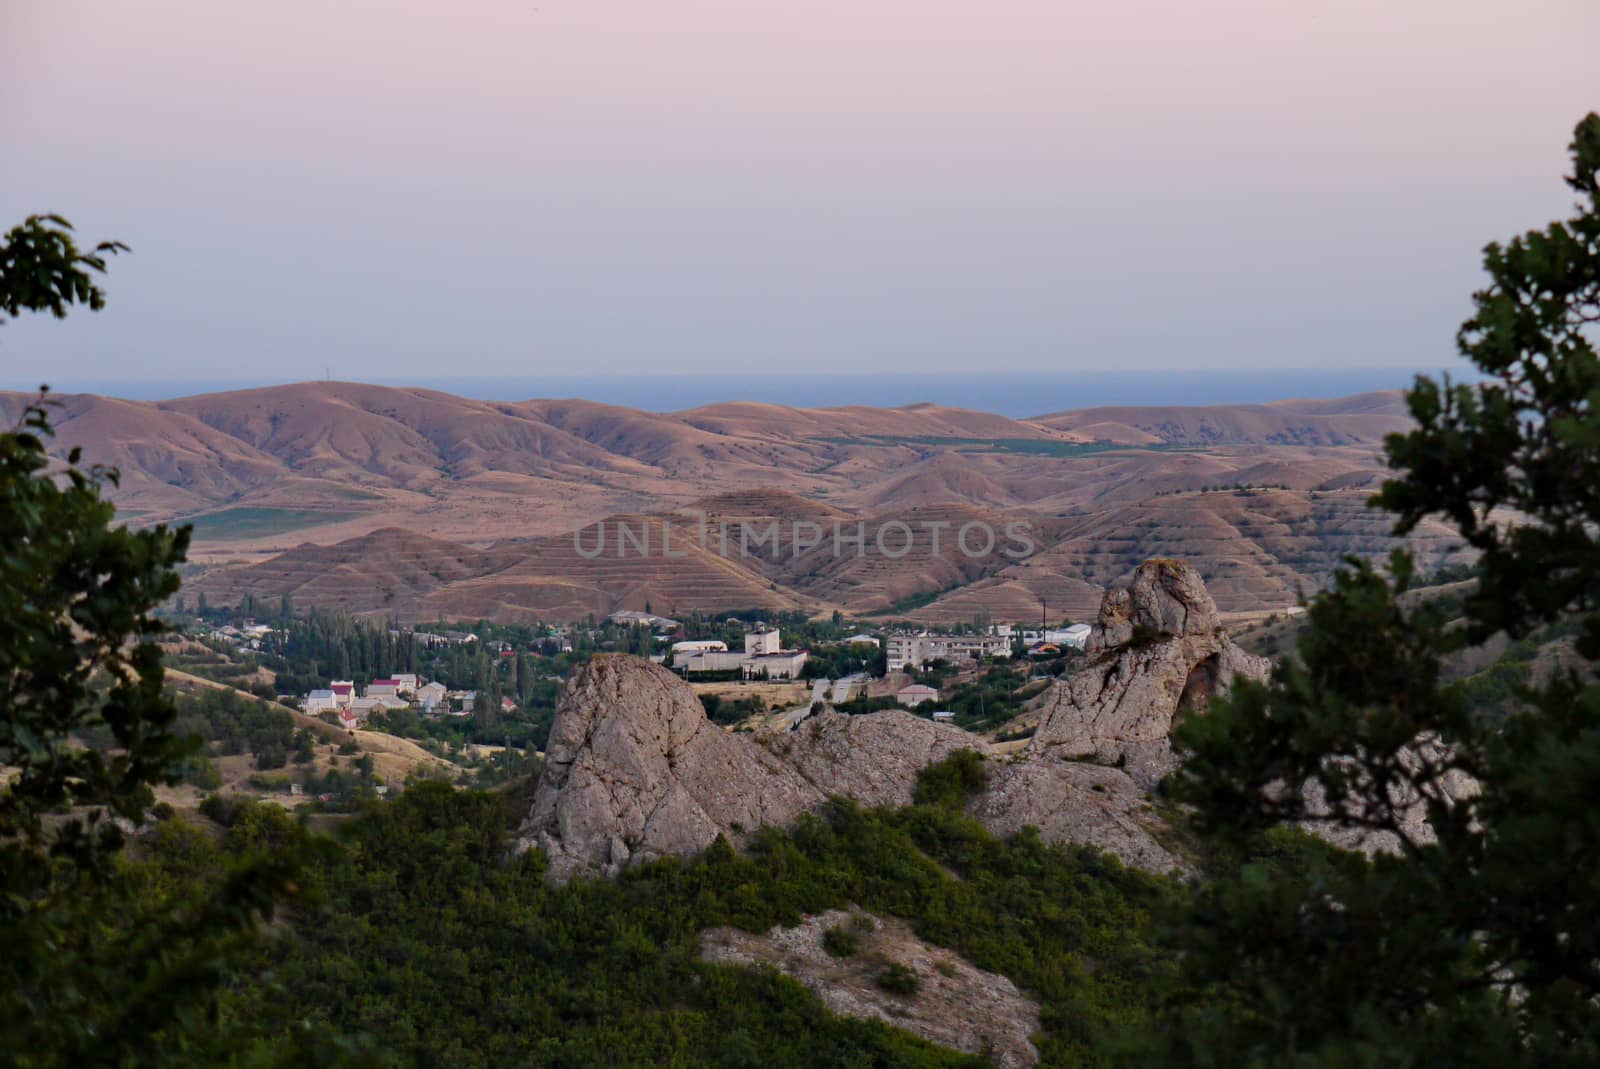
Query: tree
point(1471, 941)
point(94, 972)
point(43, 270)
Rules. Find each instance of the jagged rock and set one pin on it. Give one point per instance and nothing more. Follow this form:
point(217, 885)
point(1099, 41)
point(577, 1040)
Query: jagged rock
point(635, 771)
point(1158, 650)
point(1075, 802)
point(872, 759)
point(1166, 598)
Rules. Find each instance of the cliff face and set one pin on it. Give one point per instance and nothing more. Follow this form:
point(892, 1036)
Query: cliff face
point(634, 770)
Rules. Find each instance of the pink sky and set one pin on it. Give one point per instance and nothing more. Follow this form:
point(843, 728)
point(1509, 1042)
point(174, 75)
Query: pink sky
point(524, 187)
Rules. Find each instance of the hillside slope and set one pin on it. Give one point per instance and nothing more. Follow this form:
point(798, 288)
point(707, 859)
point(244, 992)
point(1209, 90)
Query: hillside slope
point(419, 503)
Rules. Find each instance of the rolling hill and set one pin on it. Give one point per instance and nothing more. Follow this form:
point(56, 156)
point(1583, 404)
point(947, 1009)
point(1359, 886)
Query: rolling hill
point(418, 503)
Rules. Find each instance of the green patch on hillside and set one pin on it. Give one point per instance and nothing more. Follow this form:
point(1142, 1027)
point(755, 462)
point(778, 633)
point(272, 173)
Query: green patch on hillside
point(237, 524)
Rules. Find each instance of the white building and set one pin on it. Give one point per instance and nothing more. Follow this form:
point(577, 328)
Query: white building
point(699, 645)
point(762, 641)
point(344, 691)
point(632, 617)
point(780, 664)
point(1076, 636)
point(860, 640)
point(431, 696)
point(406, 682)
point(917, 650)
point(711, 661)
point(320, 701)
point(369, 705)
point(383, 688)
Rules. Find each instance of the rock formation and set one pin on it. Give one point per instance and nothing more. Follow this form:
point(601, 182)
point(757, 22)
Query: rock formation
point(634, 770)
point(873, 759)
point(1157, 651)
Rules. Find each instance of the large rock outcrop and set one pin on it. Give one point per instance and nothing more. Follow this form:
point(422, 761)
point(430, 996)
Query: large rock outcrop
point(872, 760)
point(634, 770)
point(1158, 651)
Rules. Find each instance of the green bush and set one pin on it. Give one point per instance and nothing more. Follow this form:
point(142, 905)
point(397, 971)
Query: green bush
point(899, 979)
point(841, 942)
point(950, 782)
point(203, 775)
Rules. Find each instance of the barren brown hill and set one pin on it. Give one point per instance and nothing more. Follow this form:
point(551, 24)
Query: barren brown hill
point(754, 420)
point(169, 462)
point(1362, 419)
point(945, 476)
point(388, 571)
point(349, 458)
point(417, 502)
point(906, 554)
point(621, 562)
point(1255, 548)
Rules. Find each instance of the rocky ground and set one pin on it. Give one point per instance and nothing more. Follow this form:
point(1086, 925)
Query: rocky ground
point(955, 1004)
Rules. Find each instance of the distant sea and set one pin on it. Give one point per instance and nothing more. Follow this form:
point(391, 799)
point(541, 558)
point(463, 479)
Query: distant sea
point(1007, 393)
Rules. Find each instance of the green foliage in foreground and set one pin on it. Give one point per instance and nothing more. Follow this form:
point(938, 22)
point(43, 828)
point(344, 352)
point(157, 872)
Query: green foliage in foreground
point(1475, 943)
point(424, 937)
point(96, 970)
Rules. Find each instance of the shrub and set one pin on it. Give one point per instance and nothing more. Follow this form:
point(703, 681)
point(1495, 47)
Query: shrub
point(841, 942)
point(898, 979)
point(223, 809)
point(948, 783)
point(204, 776)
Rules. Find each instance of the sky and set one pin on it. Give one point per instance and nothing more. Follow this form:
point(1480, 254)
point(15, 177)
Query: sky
point(393, 190)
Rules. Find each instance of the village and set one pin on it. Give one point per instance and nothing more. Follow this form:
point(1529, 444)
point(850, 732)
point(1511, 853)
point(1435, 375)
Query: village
point(749, 669)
